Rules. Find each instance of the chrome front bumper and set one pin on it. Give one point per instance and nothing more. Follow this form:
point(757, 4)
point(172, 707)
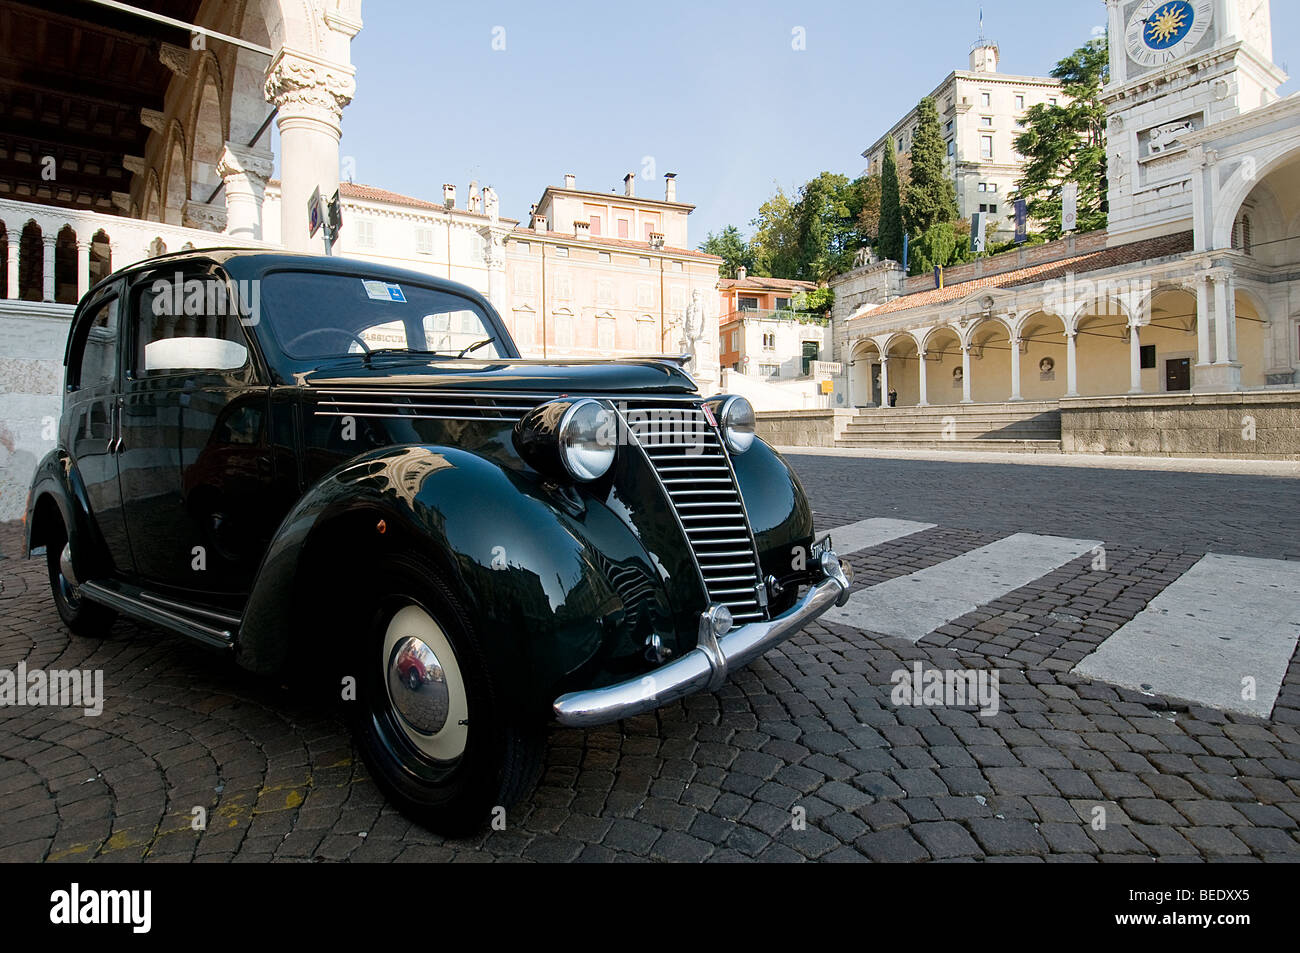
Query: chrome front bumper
point(705, 667)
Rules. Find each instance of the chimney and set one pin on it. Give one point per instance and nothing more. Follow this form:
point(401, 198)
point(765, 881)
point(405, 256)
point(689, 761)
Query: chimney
point(581, 229)
point(670, 186)
point(449, 195)
point(539, 223)
point(570, 181)
point(629, 185)
point(741, 273)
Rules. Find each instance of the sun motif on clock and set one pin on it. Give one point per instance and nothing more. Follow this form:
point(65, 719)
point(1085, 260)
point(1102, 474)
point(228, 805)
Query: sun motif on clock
point(1167, 26)
point(1161, 31)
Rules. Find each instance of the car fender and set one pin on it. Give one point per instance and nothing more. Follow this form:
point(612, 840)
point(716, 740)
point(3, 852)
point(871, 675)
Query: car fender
point(778, 509)
point(528, 559)
point(57, 483)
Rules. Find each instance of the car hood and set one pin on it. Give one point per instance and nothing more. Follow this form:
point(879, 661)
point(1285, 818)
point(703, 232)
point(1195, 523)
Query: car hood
point(639, 376)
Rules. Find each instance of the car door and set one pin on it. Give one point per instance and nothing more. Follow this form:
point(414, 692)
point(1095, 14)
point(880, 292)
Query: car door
point(92, 403)
point(196, 457)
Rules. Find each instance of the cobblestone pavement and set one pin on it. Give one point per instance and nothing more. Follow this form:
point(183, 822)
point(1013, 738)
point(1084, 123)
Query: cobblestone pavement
point(808, 732)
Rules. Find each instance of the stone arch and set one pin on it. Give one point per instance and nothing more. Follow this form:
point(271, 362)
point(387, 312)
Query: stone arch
point(1170, 328)
point(1108, 304)
point(864, 356)
point(1102, 327)
point(904, 367)
point(989, 340)
point(1044, 358)
point(1252, 333)
point(31, 262)
point(1251, 171)
point(942, 346)
point(101, 257)
point(152, 210)
point(208, 132)
point(65, 266)
point(176, 179)
point(246, 103)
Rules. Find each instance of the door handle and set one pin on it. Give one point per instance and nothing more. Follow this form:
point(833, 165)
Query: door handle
point(115, 444)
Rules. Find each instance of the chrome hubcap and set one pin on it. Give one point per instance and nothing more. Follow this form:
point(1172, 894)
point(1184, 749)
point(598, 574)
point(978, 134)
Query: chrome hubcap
point(424, 684)
point(418, 685)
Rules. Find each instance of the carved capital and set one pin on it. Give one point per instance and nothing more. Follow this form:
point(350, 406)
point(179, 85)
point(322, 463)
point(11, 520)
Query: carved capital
point(302, 85)
point(175, 58)
point(237, 160)
point(154, 119)
point(210, 218)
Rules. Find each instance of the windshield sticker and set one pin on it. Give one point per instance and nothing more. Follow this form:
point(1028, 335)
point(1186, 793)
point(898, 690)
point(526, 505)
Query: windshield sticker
point(383, 291)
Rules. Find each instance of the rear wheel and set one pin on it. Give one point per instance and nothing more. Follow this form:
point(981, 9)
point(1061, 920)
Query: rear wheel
point(430, 721)
point(78, 613)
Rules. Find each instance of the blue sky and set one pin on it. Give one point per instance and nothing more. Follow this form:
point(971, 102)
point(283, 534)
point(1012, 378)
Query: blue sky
point(711, 91)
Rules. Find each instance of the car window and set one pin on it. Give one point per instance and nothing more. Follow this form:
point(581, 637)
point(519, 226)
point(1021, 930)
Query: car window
point(314, 316)
point(95, 363)
point(187, 322)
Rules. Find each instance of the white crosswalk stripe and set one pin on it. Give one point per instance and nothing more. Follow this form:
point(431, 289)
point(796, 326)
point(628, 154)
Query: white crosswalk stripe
point(867, 533)
point(914, 605)
point(1225, 629)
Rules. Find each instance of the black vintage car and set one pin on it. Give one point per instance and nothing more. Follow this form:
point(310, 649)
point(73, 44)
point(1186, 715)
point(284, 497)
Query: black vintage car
point(345, 471)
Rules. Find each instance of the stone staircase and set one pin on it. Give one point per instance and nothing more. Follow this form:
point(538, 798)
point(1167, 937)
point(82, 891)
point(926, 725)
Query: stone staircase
point(1026, 426)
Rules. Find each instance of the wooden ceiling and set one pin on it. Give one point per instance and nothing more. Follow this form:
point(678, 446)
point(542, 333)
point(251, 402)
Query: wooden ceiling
point(72, 84)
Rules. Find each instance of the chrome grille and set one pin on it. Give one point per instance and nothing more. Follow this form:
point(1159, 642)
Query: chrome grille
point(423, 405)
point(687, 454)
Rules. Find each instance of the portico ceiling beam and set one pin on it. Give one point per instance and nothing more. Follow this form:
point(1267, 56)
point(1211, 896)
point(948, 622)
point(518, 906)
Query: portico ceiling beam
point(182, 25)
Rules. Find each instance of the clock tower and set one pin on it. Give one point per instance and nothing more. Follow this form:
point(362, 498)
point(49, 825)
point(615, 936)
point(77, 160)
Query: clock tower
point(1176, 66)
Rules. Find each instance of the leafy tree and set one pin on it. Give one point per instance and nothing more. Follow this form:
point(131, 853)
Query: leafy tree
point(813, 235)
point(889, 242)
point(931, 198)
point(775, 244)
point(731, 247)
point(1067, 143)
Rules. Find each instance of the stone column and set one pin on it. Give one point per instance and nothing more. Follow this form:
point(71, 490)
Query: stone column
point(83, 268)
point(1230, 295)
point(1134, 359)
point(923, 402)
point(965, 374)
point(1015, 369)
point(1071, 364)
point(1223, 317)
point(884, 380)
point(310, 94)
point(1202, 319)
point(244, 172)
point(50, 241)
point(14, 238)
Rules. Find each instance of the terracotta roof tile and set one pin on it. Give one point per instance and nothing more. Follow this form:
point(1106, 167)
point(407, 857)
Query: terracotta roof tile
point(761, 283)
point(1149, 248)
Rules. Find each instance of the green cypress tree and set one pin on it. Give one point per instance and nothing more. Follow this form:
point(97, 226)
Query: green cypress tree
point(931, 197)
point(889, 245)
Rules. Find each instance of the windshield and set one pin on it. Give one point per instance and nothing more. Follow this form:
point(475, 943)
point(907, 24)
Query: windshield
point(315, 316)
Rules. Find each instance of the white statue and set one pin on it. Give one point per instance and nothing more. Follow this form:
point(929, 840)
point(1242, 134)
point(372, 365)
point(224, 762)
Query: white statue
point(693, 328)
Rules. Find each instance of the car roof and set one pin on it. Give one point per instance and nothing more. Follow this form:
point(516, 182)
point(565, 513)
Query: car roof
point(243, 262)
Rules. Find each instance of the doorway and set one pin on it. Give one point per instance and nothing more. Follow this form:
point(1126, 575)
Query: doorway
point(1178, 374)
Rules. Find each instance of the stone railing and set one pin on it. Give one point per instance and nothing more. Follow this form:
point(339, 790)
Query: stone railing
point(56, 254)
point(72, 250)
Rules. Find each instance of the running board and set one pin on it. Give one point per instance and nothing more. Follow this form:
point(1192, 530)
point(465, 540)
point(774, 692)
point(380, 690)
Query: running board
point(147, 612)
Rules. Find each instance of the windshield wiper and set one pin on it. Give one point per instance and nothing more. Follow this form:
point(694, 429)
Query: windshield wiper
point(475, 346)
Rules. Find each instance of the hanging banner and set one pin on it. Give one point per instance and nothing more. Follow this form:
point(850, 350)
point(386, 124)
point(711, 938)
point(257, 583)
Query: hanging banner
point(1069, 206)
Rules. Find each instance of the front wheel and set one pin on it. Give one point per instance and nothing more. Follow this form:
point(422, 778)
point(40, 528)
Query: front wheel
point(83, 617)
point(430, 721)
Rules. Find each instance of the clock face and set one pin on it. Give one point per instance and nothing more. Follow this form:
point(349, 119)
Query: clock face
point(1161, 31)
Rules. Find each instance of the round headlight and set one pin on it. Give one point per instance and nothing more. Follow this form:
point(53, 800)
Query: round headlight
point(587, 438)
point(737, 424)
